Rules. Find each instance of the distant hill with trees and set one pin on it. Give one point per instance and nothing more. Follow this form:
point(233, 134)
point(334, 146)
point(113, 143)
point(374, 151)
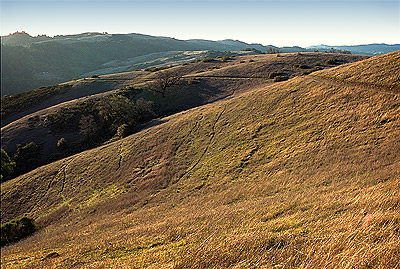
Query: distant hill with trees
point(31, 62)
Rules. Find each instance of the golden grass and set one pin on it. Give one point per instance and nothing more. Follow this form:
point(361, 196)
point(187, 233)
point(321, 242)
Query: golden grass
point(303, 174)
point(384, 73)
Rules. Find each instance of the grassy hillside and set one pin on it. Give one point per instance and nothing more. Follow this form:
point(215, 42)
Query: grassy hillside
point(302, 173)
point(46, 115)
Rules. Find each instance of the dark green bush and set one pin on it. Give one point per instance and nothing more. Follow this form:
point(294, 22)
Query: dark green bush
point(68, 117)
point(281, 78)
point(207, 59)
point(157, 68)
point(301, 66)
point(272, 50)
point(27, 157)
point(309, 71)
point(331, 61)
point(193, 81)
point(272, 75)
point(16, 230)
point(7, 166)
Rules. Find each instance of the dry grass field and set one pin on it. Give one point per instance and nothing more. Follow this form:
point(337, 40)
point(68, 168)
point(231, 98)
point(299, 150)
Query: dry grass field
point(303, 173)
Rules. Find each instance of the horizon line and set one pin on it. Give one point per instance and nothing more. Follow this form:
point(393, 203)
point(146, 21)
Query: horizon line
point(219, 40)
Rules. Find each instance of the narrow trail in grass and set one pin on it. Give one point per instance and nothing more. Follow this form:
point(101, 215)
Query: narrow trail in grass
point(45, 194)
point(212, 134)
point(65, 177)
point(363, 85)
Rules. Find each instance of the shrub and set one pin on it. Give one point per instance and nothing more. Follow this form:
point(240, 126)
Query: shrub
point(207, 59)
point(26, 157)
point(225, 58)
point(316, 68)
point(272, 75)
point(193, 81)
point(331, 61)
point(94, 76)
point(123, 130)
point(7, 166)
point(68, 117)
point(157, 68)
point(281, 78)
point(272, 50)
point(62, 144)
point(16, 230)
point(301, 66)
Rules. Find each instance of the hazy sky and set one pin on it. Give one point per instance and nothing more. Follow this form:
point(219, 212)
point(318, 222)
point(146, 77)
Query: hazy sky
point(280, 23)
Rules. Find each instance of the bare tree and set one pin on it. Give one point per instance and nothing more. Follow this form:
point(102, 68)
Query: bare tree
point(164, 80)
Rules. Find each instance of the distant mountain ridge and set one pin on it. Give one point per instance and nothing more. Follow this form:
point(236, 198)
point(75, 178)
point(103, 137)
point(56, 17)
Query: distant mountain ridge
point(367, 49)
point(30, 62)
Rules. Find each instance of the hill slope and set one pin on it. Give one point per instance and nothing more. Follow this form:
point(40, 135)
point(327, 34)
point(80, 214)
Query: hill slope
point(48, 114)
point(302, 173)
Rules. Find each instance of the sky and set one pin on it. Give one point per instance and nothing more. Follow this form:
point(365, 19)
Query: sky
point(280, 23)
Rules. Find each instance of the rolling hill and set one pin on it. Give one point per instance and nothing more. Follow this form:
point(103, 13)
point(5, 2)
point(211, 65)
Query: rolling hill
point(35, 116)
point(300, 173)
point(30, 62)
